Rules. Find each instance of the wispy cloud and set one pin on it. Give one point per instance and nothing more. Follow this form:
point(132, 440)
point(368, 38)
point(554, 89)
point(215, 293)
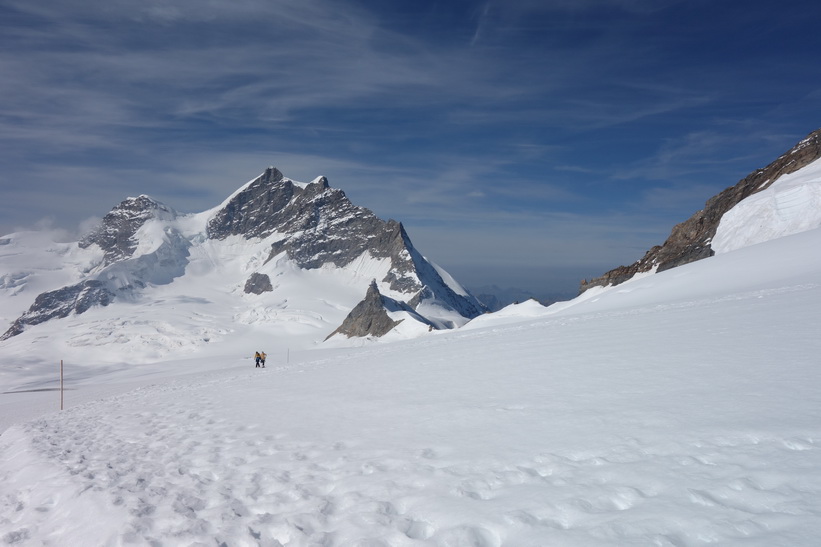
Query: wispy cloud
point(485, 117)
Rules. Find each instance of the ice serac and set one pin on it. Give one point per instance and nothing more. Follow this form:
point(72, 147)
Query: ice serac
point(690, 240)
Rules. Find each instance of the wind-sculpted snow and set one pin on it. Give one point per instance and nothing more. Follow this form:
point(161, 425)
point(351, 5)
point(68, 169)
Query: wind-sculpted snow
point(665, 411)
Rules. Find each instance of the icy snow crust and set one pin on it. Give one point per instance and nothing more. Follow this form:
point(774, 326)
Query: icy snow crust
point(683, 408)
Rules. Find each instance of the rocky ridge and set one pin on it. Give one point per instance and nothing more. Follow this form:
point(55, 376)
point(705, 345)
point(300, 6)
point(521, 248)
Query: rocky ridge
point(115, 235)
point(690, 240)
point(312, 225)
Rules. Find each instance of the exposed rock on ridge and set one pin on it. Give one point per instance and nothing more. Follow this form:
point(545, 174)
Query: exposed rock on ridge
point(370, 317)
point(690, 240)
point(144, 244)
point(319, 225)
point(61, 303)
point(115, 234)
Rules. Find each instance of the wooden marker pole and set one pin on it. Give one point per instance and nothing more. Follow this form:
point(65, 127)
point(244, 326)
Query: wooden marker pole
point(61, 384)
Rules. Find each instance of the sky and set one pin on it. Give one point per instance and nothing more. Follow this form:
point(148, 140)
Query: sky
point(524, 143)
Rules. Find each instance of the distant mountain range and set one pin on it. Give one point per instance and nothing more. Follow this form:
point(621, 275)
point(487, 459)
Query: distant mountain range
point(298, 263)
point(269, 228)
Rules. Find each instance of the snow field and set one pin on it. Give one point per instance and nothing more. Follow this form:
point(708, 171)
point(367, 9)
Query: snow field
point(677, 409)
point(690, 422)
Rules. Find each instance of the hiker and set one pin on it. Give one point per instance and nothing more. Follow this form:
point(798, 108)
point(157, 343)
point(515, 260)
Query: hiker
point(262, 358)
point(257, 358)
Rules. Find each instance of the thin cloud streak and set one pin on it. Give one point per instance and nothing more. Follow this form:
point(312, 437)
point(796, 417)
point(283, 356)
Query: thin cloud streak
point(463, 117)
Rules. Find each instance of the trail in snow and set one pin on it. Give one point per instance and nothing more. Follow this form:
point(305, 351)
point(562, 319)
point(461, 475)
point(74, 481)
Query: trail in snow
point(688, 418)
point(680, 408)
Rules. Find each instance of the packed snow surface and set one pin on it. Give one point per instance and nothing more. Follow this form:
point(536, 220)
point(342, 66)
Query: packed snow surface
point(682, 408)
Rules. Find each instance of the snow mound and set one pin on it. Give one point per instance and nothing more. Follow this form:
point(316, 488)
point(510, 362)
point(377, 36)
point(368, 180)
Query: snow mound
point(511, 313)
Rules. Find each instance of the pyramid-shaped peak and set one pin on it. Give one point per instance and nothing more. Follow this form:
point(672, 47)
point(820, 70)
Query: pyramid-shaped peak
point(373, 288)
point(271, 175)
point(142, 205)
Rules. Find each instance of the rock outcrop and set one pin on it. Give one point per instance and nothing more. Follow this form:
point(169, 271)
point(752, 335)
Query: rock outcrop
point(370, 317)
point(314, 225)
point(690, 240)
point(145, 243)
point(63, 302)
point(258, 283)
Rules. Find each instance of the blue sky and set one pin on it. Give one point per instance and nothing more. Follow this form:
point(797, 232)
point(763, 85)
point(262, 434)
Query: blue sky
point(524, 143)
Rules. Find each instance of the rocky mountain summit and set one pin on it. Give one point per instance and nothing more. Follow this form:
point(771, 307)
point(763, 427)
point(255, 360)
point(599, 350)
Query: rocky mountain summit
point(115, 235)
point(142, 244)
point(690, 240)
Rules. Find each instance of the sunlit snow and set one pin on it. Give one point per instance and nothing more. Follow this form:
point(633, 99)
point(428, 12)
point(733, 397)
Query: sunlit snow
point(682, 408)
point(792, 204)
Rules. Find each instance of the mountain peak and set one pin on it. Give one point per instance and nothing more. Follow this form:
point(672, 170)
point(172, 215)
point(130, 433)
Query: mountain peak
point(115, 234)
point(322, 181)
point(271, 175)
point(286, 226)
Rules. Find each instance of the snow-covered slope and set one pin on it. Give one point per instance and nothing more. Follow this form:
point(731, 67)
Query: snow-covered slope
point(791, 207)
point(683, 408)
point(792, 204)
point(278, 262)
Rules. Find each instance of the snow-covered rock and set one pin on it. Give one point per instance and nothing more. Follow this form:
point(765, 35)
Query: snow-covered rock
point(152, 256)
point(695, 238)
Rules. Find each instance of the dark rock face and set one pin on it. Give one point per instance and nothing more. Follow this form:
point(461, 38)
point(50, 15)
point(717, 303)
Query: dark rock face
point(61, 303)
point(115, 235)
point(690, 240)
point(257, 210)
point(370, 317)
point(258, 283)
point(320, 226)
point(313, 224)
point(319, 223)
